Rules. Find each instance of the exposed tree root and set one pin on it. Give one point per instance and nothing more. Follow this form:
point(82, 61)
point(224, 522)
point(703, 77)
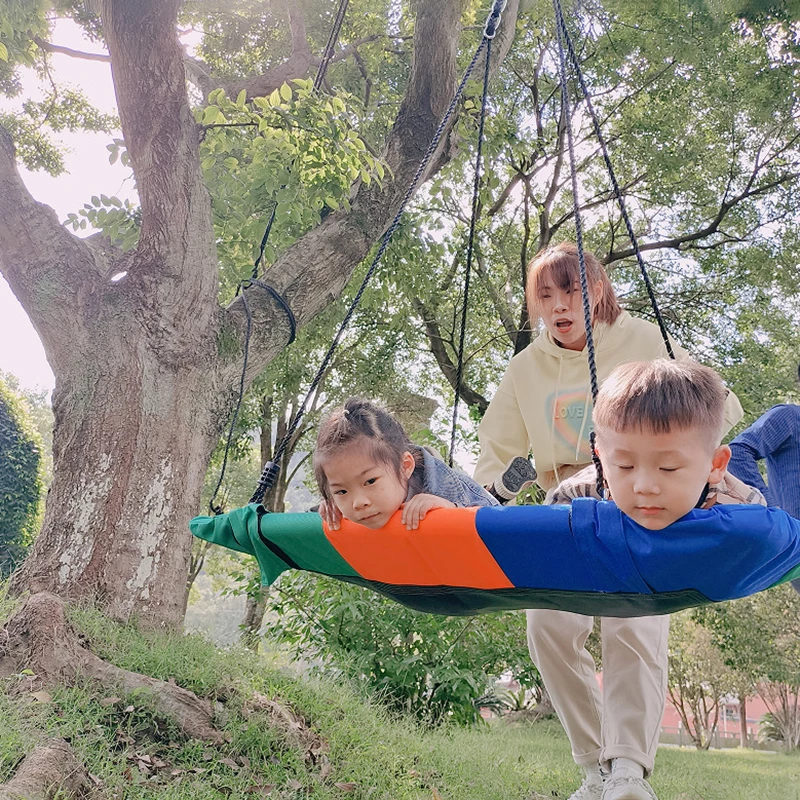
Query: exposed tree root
point(39, 638)
point(296, 731)
point(49, 770)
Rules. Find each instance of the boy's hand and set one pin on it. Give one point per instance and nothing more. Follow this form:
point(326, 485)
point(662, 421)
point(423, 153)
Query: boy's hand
point(330, 514)
point(418, 506)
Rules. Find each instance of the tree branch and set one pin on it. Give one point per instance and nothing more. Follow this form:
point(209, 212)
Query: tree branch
point(176, 246)
point(314, 270)
point(297, 65)
point(41, 260)
point(469, 395)
point(500, 306)
point(49, 47)
point(680, 241)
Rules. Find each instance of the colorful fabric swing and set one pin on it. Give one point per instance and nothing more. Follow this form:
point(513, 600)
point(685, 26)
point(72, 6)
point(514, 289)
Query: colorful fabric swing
point(587, 558)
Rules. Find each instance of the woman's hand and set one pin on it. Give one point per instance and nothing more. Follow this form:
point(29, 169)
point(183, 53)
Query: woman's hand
point(330, 514)
point(417, 507)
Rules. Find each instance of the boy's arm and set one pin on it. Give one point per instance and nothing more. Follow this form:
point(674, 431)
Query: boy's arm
point(581, 484)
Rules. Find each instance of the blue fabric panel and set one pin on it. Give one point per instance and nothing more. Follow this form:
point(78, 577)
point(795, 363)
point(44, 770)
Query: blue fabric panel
point(535, 547)
point(724, 552)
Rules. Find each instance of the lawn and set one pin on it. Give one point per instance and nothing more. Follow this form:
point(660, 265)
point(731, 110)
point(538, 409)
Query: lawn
point(328, 741)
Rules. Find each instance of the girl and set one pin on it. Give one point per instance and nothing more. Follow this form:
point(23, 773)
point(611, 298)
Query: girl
point(544, 404)
point(367, 469)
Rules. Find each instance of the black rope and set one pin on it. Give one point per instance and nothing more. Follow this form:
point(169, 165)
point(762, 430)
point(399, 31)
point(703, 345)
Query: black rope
point(587, 311)
point(272, 468)
point(322, 70)
point(281, 301)
point(564, 33)
point(333, 38)
point(470, 248)
point(264, 240)
point(329, 48)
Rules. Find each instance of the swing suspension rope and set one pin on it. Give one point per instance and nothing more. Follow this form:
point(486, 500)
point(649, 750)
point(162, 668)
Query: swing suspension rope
point(567, 40)
point(587, 311)
point(322, 70)
point(331, 46)
point(470, 247)
point(272, 468)
point(565, 46)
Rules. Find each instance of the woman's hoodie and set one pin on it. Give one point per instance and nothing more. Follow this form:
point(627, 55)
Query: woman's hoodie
point(544, 401)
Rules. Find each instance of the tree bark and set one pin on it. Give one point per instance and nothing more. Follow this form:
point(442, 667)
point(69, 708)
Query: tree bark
point(51, 770)
point(744, 739)
point(39, 638)
point(147, 367)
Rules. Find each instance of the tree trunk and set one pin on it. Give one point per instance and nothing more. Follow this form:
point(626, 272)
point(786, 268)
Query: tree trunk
point(744, 739)
point(254, 611)
point(147, 367)
point(139, 438)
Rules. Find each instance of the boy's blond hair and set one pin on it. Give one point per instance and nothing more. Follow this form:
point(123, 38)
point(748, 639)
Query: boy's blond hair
point(661, 396)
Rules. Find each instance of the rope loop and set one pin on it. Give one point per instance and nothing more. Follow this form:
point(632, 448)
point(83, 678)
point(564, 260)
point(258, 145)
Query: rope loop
point(493, 23)
point(279, 299)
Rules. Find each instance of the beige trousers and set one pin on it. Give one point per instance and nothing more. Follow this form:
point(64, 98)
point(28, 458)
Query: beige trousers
point(622, 721)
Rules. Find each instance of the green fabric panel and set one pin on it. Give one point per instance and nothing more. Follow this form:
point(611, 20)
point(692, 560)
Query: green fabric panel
point(789, 576)
point(238, 530)
point(299, 536)
point(303, 539)
point(461, 601)
point(235, 530)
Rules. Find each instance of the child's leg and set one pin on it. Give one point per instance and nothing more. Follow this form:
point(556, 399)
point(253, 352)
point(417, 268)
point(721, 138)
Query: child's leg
point(556, 642)
point(634, 687)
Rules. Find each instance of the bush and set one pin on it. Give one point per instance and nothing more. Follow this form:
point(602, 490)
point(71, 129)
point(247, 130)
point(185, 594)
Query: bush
point(20, 479)
point(430, 667)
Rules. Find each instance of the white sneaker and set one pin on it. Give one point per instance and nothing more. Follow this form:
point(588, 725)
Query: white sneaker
point(624, 788)
point(590, 789)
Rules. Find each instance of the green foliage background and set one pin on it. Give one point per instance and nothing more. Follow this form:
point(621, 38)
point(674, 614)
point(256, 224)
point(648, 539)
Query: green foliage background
point(20, 479)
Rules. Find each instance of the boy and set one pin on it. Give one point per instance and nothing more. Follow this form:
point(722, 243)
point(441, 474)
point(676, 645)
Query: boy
point(658, 427)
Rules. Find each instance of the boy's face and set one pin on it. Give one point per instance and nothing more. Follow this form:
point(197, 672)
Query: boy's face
point(656, 478)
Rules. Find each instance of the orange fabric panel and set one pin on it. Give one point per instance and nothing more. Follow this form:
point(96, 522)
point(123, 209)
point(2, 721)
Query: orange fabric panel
point(445, 550)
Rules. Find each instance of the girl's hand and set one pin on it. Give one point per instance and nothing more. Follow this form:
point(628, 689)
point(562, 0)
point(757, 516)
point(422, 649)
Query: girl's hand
point(330, 514)
point(418, 506)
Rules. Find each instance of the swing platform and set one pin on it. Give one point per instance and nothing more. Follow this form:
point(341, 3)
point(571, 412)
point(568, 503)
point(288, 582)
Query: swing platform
point(587, 558)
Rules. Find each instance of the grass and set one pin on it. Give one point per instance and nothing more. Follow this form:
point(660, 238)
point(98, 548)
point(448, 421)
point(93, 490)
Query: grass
point(347, 747)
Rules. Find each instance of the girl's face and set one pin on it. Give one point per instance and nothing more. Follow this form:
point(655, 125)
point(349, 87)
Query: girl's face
point(561, 311)
point(364, 490)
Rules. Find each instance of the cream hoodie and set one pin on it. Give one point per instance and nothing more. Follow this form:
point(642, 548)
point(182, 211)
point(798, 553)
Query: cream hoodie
point(544, 401)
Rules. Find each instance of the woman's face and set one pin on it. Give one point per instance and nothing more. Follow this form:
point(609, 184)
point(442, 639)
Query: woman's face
point(561, 311)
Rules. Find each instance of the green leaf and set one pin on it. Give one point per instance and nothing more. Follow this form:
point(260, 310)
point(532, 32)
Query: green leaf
point(210, 115)
point(275, 98)
point(286, 92)
point(241, 98)
point(3, 52)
